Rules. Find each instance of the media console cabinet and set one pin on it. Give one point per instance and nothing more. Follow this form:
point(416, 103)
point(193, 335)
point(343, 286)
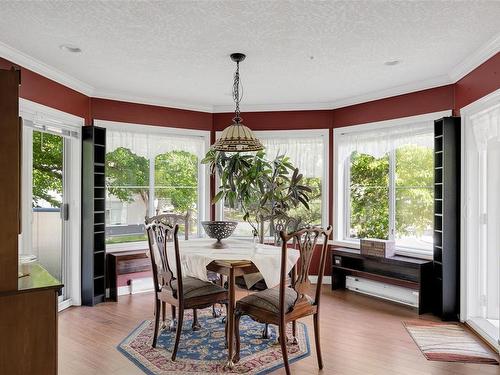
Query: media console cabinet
point(412, 273)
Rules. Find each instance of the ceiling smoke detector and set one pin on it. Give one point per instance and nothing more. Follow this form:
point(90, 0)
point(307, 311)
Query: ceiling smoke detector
point(70, 48)
point(392, 62)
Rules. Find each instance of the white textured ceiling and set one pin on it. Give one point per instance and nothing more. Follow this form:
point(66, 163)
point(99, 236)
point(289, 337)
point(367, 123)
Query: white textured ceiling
point(298, 51)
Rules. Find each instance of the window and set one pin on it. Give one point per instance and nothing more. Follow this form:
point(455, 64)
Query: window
point(384, 178)
point(149, 171)
point(307, 150)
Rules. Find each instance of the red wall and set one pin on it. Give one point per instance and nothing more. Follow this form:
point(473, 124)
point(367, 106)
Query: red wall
point(278, 120)
point(114, 110)
point(480, 82)
point(415, 103)
point(42, 90)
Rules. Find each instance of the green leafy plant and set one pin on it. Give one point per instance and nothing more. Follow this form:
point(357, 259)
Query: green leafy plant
point(263, 189)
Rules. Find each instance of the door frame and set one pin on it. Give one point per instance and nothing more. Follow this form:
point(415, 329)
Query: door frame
point(465, 276)
point(72, 241)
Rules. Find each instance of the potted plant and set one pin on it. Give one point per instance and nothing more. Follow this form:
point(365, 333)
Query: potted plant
point(264, 190)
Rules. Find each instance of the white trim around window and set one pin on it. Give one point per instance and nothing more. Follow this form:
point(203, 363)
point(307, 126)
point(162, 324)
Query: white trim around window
point(340, 198)
point(287, 134)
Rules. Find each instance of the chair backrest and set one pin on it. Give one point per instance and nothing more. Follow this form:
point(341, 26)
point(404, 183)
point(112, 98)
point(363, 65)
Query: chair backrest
point(286, 224)
point(159, 233)
point(173, 219)
point(305, 241)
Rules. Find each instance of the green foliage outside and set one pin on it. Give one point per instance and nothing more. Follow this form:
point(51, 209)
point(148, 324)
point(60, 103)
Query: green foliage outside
point(47, 169)
point(369, 193)
point(127, 175)
point(176, 177)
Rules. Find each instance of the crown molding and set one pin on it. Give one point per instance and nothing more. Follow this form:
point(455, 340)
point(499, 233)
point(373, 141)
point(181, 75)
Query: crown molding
point(20, 58)
point(156, 101)
point(481, 55)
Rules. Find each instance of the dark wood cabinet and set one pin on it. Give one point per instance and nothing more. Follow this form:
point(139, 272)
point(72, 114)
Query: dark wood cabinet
point(28, 304)
point(10, 178)
point(93, 215)
point(447, 218)
point(411, 273)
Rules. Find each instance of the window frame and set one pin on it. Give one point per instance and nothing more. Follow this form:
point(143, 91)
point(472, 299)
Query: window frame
point(286, 134)
point(203, 171)
point(341, 207)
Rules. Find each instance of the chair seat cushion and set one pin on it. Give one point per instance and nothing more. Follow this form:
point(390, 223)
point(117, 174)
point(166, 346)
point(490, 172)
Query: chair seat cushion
point(259, 285)
point(193, 287)
point(269, 300)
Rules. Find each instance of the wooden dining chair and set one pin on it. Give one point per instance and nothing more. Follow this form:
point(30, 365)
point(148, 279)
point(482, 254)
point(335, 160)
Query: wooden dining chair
point(184, 293)
point(182, 219)
point(287, 224)
point(290, 301)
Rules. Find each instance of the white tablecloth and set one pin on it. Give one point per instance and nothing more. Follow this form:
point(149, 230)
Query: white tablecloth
point(196, 254)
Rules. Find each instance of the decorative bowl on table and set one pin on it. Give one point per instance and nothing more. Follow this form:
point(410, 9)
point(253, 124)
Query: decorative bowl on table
point(219, 230)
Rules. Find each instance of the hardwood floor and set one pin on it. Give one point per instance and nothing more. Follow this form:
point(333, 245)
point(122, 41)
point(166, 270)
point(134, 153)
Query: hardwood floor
point(360, 336)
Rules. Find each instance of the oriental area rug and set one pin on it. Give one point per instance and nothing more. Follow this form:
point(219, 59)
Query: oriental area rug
point(449, 342)
point(203, 351)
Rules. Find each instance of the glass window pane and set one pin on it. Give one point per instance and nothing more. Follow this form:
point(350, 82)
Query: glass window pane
point(127, 182)
point(414, 197)
point(176, 187)
point(369, 196)
point(137, 162)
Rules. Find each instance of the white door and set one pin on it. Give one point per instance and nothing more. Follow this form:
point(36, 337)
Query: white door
point(51, 175)
point(481, 241)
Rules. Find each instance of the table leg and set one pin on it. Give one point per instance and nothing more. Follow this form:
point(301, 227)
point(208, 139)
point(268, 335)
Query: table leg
point(230, 319)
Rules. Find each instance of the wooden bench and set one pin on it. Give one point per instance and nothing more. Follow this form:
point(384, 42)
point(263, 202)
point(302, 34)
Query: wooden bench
point(123, 263)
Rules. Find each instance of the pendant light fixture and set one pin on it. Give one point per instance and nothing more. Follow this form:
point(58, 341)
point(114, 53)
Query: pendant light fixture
point(237, 137)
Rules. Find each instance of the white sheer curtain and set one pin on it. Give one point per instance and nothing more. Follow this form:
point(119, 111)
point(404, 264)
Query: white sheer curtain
point(486, 126)
point(378, 142)
point(150, 145)
point(306, 153)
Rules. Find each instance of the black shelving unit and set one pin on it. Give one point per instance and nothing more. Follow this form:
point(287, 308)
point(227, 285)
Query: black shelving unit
point(447, 217)
point(93, 215)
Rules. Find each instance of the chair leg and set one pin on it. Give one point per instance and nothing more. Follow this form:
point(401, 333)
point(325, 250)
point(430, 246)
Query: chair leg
point(266, 332)
point(163, 314)
point(317, 340)
point(157, 322)
point(225, 333)
point(237, 340)
point(173, 322)
point(180, 318)
point(294, 333)
point(196, 325)
point(216, 311)
point(282, 330)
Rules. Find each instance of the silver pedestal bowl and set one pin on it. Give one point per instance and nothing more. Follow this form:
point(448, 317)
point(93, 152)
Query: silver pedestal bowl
point(219, 230)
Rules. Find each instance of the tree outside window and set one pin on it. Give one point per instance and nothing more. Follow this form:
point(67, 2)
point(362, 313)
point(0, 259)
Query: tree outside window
point(369, 196)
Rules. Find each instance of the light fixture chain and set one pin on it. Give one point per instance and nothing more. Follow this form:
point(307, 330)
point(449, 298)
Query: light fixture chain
point(236, 93)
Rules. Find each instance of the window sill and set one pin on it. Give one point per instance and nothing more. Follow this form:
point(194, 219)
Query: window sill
point(401, 252)
point(128, 246)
